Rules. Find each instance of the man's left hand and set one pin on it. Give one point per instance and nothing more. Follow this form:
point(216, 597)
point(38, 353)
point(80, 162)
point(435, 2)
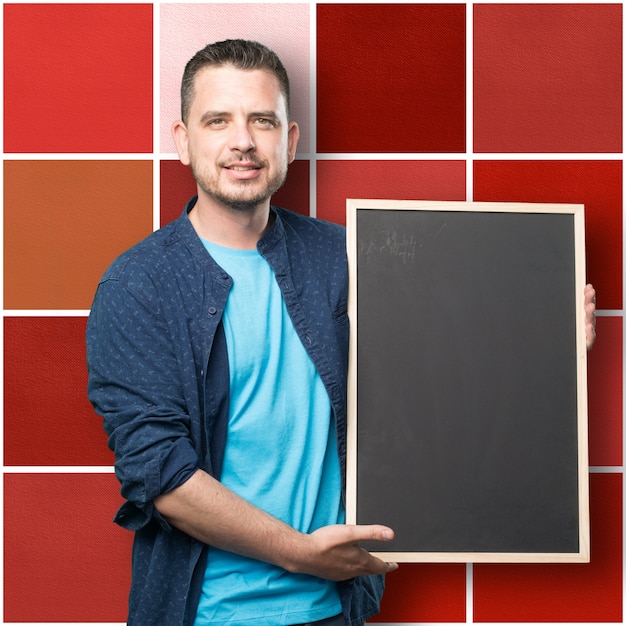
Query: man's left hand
point(590, 315)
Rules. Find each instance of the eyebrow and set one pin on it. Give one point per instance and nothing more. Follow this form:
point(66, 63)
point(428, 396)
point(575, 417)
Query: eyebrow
point(272, 114)
point(208, 115)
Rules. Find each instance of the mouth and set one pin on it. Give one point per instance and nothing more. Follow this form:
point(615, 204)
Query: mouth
point(243, 170)
point(241, 166)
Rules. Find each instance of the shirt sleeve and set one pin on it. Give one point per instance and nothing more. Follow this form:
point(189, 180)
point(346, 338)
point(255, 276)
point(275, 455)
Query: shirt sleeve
point(134, 384)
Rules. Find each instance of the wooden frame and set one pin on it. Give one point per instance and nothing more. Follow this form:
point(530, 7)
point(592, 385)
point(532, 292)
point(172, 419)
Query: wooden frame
point(467, 396)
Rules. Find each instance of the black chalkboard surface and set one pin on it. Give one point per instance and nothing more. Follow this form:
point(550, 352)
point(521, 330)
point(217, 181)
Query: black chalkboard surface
point(467, 422)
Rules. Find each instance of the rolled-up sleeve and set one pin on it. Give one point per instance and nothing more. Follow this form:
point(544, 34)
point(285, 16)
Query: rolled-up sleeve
point(134, 384)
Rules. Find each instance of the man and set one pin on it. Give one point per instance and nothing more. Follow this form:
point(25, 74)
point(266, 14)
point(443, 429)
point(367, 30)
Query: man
point(217, 353)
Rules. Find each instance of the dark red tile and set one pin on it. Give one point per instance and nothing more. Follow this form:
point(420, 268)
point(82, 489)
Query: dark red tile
point(605, 376)
point(596, 184)
point(48, 419)
point(64, 560)
point(388, 180)
point(578, 592)
point(391, 77)
point(178, 186)
point(423, 593)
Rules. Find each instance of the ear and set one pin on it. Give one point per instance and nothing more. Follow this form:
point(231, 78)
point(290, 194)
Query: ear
point(293, 134)
point(181, 139)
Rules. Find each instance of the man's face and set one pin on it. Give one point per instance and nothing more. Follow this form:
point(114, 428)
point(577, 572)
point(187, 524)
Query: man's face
point(238, 140)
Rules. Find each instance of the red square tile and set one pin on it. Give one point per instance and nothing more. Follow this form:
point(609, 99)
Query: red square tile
point(48, 419)
point(423, 593)
point(596, 184)
point(388, 180)
point(83, 214)
point(605, 392)
point(390, 77)
point(178, 186)
point(78, 78)
point(580, 592)
point(547, 77)
point(64, 560)
point(295, 193)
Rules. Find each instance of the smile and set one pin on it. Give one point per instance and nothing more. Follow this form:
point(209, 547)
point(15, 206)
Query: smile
point(243, 171)
point(243, 166)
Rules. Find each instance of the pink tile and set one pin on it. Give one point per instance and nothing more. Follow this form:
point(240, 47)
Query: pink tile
point(186, 28)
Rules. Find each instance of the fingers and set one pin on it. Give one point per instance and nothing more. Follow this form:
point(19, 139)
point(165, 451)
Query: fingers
point(590, 315)
point(387, 566)
point(380, 533)
point(370, 532)
point(334, 552)
point(590, 334)
point(375, 532)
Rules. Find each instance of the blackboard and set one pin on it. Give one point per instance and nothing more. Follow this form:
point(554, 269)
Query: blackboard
point(467, 419)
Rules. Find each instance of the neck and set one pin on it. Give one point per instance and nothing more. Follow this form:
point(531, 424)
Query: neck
point(231, 227)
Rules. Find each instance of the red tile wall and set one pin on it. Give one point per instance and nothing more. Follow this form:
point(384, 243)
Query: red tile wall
point(452, 101)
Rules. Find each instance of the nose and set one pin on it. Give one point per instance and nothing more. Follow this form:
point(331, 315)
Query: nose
point(241, 138)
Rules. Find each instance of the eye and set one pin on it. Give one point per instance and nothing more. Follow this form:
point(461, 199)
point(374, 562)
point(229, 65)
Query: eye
point(216, 122)
point(266, 122)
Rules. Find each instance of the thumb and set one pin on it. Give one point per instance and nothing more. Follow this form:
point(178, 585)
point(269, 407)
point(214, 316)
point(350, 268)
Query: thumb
point(373, 532)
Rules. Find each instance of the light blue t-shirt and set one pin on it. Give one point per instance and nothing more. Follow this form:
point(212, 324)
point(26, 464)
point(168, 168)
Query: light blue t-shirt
point(281, 452)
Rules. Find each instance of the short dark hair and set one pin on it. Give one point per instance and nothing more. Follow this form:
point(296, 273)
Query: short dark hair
point(242, 54)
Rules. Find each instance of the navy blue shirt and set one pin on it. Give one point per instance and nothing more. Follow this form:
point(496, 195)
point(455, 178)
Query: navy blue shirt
point(158, 375)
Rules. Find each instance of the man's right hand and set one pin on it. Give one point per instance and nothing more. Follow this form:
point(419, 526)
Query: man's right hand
point(205, 509)
point(333, 552)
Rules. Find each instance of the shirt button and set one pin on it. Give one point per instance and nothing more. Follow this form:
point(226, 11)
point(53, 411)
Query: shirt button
point(212, 310)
